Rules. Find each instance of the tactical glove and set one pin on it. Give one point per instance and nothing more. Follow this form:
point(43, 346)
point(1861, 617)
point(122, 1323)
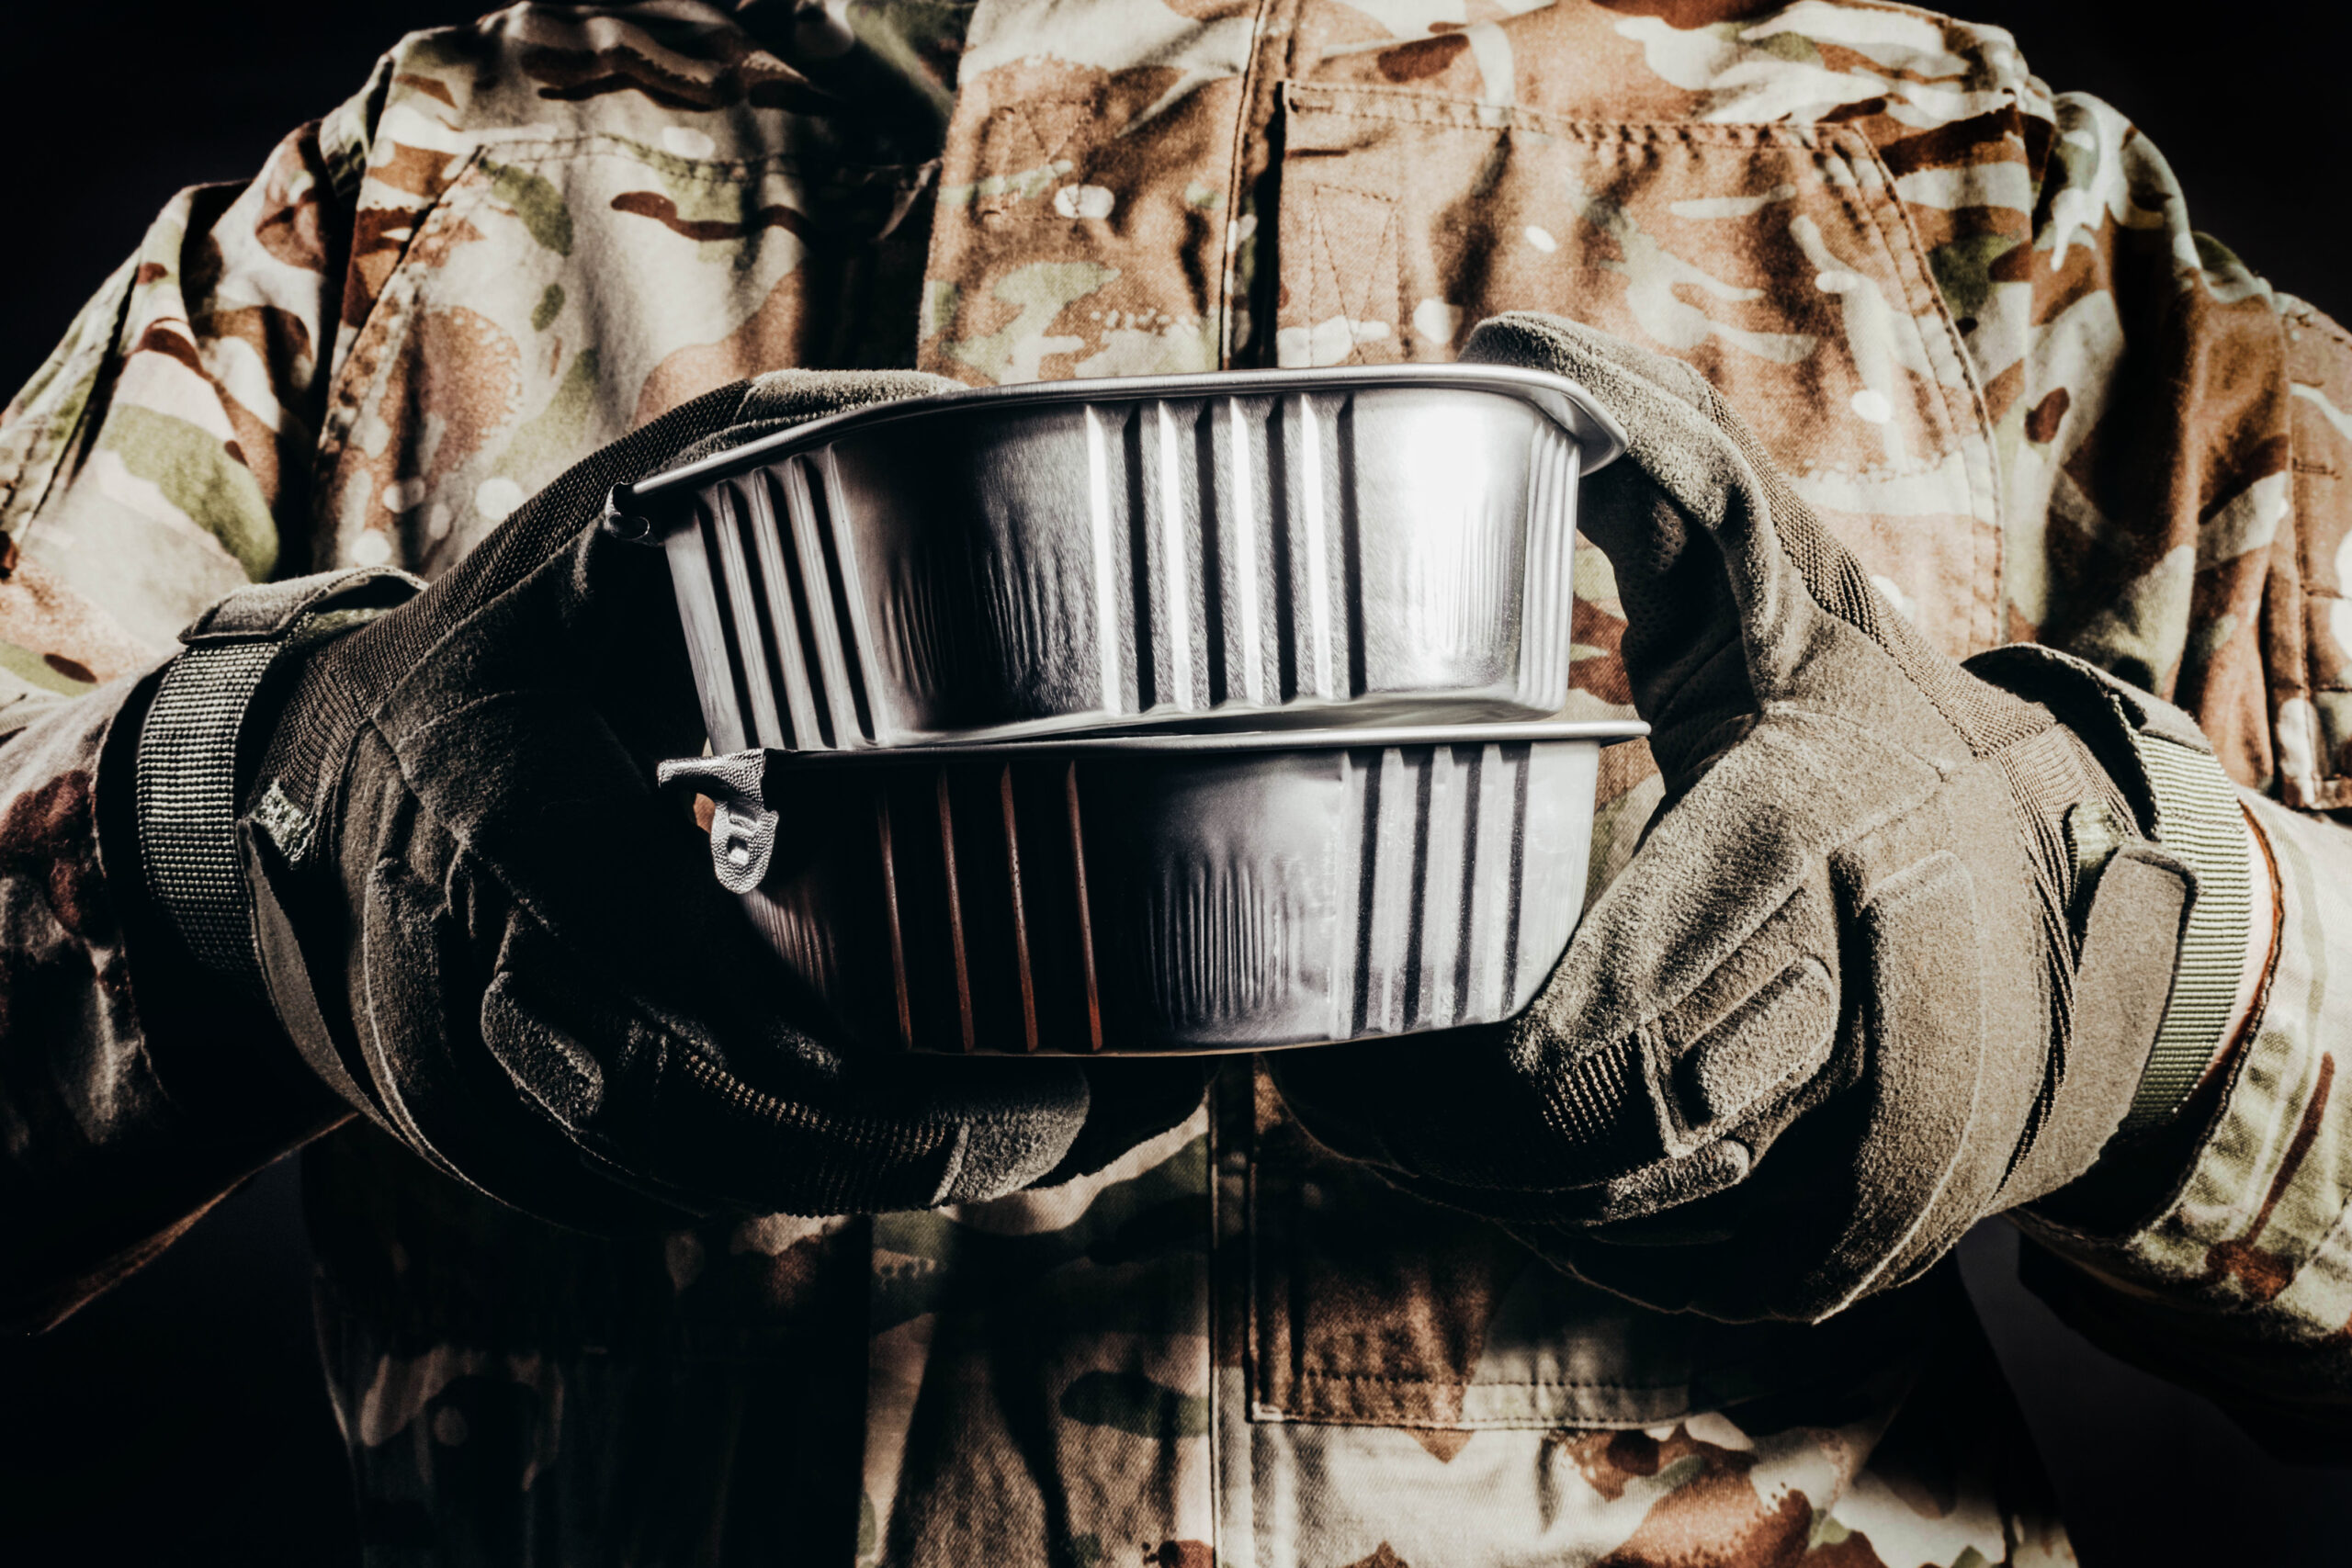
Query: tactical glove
point(481, 927)
point(1895, 952)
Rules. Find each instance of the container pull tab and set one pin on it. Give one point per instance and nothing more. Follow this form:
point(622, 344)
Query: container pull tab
point(743, 842)
point(742, 827)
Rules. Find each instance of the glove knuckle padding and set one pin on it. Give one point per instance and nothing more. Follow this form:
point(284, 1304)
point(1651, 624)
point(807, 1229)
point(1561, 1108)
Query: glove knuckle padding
point(1711, 978)
point(1728, 1061)
point(564, 1041)
point(1921, 927)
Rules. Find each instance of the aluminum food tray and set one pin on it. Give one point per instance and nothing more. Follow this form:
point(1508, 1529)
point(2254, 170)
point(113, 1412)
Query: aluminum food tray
point(1250, 548)
point(1165, 893)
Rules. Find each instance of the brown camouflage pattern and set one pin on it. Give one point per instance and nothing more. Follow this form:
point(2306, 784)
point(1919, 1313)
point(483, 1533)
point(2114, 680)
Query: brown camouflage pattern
point(1967, 315)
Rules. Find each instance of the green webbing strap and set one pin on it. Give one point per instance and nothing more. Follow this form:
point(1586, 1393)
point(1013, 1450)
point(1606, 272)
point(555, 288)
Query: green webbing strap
point(2199, 818)
point(192, 743)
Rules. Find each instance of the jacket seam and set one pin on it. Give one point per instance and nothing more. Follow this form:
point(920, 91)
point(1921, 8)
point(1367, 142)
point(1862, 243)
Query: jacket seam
point(1451, 111)
point(1564, 1422)
point(58, 442)
point(2299, 680)
point(1964, 406)
point(1420, 1381)
point(1236, 163)
point(373, 338)
point(514, 145)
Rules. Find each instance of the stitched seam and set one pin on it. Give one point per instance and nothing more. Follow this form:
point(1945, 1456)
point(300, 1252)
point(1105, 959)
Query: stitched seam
point(1228, 257)
point(2283, 613)
point(1331, 256)
point(1045, 154)
point(1514, 1383)
point(377, 333)
point(2299, 628)
point(1563, 1422)
point(511, 147)
point(1087, 105)
point(1331, 265)
point(59, 443)
point(1447, 111)
point(33, 430)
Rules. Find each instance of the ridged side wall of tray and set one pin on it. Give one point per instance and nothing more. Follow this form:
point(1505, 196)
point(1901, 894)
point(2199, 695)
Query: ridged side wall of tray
point(1249, 554)
point(1191, 902)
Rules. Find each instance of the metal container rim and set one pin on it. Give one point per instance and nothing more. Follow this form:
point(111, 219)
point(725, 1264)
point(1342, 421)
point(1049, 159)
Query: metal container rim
point(1601, 440)
point(1194, 743)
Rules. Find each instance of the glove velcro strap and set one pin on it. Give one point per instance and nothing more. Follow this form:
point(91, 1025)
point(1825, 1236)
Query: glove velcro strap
point(2197, 818)
point(2156, 754)
point(188, 772)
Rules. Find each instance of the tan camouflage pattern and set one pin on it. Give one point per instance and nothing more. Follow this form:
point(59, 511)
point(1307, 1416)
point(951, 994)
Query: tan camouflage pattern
point(289, 388)
point(1967, 315)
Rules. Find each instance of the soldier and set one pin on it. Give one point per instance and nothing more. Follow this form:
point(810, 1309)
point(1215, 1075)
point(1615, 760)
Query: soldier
point(1919, 360)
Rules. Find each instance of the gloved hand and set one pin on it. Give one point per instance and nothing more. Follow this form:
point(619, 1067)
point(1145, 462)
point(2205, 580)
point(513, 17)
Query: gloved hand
point(1890, 956)
point(483, 928)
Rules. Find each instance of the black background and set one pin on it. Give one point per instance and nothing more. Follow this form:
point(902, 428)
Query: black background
point(183, 1419)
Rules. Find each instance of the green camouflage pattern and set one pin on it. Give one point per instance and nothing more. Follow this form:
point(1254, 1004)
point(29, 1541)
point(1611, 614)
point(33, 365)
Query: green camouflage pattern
point(1967, 315)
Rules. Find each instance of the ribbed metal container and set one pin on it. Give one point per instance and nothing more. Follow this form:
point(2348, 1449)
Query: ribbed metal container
point(1158, 893)
point(1251, 548)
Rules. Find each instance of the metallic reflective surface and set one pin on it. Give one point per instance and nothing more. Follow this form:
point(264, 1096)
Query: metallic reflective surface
point(1152, 894)
point(1259, 548)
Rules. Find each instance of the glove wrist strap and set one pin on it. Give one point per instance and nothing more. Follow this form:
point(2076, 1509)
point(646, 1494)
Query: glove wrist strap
point(2198, 818)
point(2158, 757)
point(188, 771)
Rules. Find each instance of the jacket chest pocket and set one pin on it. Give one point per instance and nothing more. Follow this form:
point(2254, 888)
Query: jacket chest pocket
point(1776, 259)
point(554, 295)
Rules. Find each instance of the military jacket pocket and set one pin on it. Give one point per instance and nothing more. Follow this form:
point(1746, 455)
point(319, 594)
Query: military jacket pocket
point(1370, 1307)
point(551, 294)
point(1775, 258)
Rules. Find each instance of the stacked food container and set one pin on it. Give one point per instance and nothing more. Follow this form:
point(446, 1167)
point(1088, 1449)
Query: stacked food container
point(1195, 713)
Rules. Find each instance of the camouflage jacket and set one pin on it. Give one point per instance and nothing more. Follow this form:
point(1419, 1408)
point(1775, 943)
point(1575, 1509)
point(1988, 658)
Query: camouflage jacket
point(1967, 315)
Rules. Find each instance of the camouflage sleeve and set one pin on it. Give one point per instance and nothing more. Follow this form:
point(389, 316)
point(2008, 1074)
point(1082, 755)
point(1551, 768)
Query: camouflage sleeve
point(158, 460)
point(160, 457)
point(2172, 437)
point(2175, 446)
point(2241, 1286)
point(132, 1097)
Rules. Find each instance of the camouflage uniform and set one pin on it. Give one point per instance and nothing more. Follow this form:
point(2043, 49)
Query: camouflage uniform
point(1967, 315)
